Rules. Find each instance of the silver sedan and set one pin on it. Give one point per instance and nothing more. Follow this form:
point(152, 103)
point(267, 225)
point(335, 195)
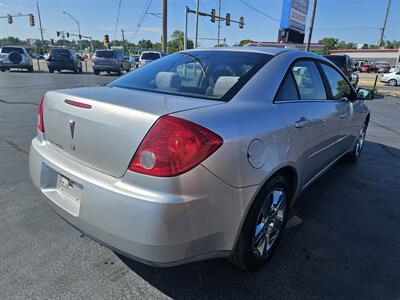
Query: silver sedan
point(199, 154)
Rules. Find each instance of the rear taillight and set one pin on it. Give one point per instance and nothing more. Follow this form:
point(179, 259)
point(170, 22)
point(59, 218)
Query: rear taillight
point(40, 124)
point(174, 146)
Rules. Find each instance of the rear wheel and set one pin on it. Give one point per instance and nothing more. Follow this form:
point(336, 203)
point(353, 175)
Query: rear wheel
point(51, 70)
point(30, 69)
point(96, 72)
point(2, 69)
point(355, 154)
point(121, 70)
point(392, 82)
point(263, 225)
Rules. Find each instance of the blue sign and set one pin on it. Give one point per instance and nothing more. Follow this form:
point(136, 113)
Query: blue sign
point(294, 15)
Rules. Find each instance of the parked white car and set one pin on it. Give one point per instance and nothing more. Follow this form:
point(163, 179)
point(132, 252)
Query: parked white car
point(391, 79)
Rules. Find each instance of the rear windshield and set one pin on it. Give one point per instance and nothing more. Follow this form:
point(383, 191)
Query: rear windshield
point(104, 54)
point(340, 61)
point(150, 55)
point(12, 49)
point(59, 52)
point(216, 75)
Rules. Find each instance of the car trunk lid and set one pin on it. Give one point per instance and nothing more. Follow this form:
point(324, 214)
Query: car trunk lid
point(102, 127)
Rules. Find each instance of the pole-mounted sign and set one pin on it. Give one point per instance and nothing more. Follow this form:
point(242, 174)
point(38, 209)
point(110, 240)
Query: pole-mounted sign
point(293, 21)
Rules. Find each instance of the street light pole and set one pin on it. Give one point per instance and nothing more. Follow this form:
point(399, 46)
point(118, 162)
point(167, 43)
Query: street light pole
point(79, 28)
point(311, 25)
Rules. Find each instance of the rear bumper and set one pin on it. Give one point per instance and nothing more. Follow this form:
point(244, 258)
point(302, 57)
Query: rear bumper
point(111, 68)
point(14, 66)
point(56, 66)
point(162, 222)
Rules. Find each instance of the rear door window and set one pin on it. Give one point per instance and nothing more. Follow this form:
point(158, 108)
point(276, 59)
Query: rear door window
point(339, 86)
point(287, 90)
point(12, 49)
point(309, 81)
point(150, 55)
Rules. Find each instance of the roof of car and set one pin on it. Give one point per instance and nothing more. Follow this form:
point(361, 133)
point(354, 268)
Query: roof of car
point(267, 50)
point(11, 46)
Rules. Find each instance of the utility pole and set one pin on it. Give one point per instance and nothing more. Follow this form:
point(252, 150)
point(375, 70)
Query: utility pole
point(40, 25)
point(164, 26)
point(311, 25)
point(381, 43)
point(186, 28)
point(123, 40)
point(197, 25)
point(219, 20)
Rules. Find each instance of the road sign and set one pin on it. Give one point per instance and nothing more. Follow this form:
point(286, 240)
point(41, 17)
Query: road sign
point(294, 15)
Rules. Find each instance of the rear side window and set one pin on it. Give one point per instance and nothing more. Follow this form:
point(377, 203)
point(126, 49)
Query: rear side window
point(309, 81)
point(59, 52)
point(287, 90)
point(339, 86)
point(104, 54)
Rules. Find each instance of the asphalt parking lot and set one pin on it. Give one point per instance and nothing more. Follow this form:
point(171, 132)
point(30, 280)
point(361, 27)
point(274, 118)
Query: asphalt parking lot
point(344, 241)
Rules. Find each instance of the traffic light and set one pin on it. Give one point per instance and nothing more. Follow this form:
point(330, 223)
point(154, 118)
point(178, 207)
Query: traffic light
point(106, 41)
point(228, 19)
point(58, 33)
point(10, 19)
point(241, 22)
point(31, 20)
point(80, 36)
point(51, 41)
point(67, 34)
point(213, 15)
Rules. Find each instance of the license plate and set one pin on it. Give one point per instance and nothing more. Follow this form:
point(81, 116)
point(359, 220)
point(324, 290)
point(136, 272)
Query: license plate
point(69, 189)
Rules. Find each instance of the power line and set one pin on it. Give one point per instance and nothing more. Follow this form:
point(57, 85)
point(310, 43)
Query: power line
point(259, 11)
point(116, 23)
point(141, 19)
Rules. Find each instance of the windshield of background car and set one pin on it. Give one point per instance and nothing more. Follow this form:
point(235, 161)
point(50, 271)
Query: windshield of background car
point(104, 54)
point(12, 49)
point(216, 75)
point(150, 55)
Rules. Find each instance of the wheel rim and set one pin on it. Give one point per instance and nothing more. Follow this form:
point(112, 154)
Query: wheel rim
point(360, 141)
point(270, 221)
point(392, 82)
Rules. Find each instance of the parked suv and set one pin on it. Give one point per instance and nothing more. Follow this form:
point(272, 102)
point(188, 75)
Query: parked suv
point(64, 59)
point(14, 57)
point(110, 61)
point(149, 56)
point(346, 65)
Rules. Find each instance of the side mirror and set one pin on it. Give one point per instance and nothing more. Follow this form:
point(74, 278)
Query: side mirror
point(364, 94)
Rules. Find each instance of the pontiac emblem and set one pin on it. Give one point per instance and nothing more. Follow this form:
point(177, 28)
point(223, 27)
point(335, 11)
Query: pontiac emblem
point(72, 128)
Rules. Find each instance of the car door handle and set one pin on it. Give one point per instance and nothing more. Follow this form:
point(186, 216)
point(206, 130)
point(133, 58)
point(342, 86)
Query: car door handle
point(303, 122)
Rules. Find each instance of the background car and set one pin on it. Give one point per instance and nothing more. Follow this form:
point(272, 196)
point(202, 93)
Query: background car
point(149, 56)
point(110, 61)
point(14, 57)
point(391, 79)
point(393, 69)
point(134, 59)
point(64, 59)
point(346, 65)
point(171, 164)
point(382, 67)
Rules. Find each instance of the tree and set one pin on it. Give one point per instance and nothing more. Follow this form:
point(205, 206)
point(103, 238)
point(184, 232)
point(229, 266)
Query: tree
point(145, 44)
point(329, 44)
point(244, 42)
point(176, 43)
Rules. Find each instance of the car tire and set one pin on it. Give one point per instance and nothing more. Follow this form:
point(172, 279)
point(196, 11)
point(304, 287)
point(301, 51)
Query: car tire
point(354, 155)
point(392, 82)
point(2, 69)
point(121, 70)
point(76, 70)
point(80, 69)
point(267, 215)
point(30, 69)
point(51, 70)
point(96, 72)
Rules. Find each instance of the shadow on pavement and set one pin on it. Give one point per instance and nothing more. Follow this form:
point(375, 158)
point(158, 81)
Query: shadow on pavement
point(347, 244)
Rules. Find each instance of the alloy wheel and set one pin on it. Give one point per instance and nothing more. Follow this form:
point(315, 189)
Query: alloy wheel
point(270, 221)
point(360, 141)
